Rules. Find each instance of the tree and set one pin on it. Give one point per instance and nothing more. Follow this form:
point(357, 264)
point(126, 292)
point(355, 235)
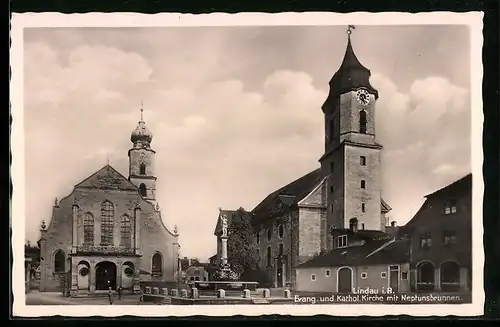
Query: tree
point(242, 248)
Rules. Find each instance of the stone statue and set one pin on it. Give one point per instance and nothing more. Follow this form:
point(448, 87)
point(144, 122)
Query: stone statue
point(176, 229)
point(56, 203)
point(224, 224)
point(43, 225)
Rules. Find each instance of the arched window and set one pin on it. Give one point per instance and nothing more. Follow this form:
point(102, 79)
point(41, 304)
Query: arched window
point(126, 231)
point(280, 249)
point(142, 169)
point(156, 264)
point(88, 229)
point(281, 231)
point(362, 121)
point(143, 190)
point(269, 234)
point(107, 223)
point(59, 262)
point(269, 256)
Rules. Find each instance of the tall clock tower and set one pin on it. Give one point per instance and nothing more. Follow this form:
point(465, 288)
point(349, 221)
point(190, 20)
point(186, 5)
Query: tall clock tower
point(352, 156)
point(141, 161)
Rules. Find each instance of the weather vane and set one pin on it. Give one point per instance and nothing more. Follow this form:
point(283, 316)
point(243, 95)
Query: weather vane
point(350, 28)
point(142, 109)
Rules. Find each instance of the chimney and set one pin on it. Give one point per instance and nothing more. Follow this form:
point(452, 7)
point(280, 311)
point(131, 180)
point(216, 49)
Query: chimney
point(393, 223)
point(353, 225)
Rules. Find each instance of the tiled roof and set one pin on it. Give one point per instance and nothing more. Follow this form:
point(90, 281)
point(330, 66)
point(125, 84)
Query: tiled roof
point(107, 178)
point(395, 252)
point(463, 183)
point(292, 193)
point(289, 194)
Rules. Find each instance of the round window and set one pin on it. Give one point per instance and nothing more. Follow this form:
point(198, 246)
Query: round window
point(84, 271)
point(129, 272)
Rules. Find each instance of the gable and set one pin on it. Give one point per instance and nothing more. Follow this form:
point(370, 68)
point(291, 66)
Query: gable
point(107, 178)
point(316, 197)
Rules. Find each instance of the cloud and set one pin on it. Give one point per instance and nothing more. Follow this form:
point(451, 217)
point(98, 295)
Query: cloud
point(221, 140)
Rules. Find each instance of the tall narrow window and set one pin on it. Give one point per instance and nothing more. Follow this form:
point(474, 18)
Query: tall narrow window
point(156, 264)
point(363, 184)
point(107, 223)
point(88, 229)
point(269, 256)
point(142, 168)
point(281, 231)
point(362, 121)
point(126, 231)
point(59, 261)
point(280, 249)
point(143, 190)
point(362, 161)
point(363, 207)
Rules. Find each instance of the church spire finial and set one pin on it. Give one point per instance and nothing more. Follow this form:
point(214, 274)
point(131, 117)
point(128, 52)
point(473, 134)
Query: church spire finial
point(142, 110)
point(349, 30)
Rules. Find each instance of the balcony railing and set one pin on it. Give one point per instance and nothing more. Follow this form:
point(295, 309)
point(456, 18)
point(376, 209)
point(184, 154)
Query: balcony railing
point(91, 249)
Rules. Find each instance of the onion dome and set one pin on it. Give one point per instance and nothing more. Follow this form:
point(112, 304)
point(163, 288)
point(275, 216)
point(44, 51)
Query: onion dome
point(141, 134)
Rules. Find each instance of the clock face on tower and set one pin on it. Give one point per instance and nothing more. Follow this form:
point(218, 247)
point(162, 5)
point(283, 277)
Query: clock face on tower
point(363, 97)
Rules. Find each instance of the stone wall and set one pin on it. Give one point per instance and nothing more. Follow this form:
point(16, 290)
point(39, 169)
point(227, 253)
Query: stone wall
point(377, 277)
point(355, 196)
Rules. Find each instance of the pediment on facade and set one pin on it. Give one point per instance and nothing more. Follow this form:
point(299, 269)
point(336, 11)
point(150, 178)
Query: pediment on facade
point(316, 198)
point(107, 178)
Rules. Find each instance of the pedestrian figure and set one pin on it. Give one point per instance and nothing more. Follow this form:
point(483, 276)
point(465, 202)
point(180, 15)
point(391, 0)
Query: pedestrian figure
point(110, 295)
point(120, 290)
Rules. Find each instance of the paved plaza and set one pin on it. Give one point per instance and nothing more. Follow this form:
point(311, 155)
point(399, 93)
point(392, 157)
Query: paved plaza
point(55, 298)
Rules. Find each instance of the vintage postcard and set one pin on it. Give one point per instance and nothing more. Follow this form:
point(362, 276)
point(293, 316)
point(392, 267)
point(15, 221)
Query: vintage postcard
point(247, 164)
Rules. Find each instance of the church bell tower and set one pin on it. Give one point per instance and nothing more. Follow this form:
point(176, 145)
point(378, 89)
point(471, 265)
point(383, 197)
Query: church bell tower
point(141, 161)
point(351, 160)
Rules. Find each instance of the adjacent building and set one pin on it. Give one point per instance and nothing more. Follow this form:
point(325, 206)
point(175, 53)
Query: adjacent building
point(109, 230)
point(361, 259)
point(441, 239)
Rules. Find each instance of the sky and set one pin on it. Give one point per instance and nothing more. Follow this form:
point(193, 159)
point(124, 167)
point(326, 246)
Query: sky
point(235, 112)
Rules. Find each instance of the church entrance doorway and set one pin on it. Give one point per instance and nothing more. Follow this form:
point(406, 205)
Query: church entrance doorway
point(344, 280)
point(105, 275)
point(279, 275)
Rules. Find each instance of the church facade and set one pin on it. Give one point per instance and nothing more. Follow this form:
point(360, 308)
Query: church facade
point(108, 231)
point(300, 220)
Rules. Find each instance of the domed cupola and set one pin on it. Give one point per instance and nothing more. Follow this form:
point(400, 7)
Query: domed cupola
point(141, 136)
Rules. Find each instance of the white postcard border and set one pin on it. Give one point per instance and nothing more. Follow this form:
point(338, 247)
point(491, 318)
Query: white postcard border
point(21, 21)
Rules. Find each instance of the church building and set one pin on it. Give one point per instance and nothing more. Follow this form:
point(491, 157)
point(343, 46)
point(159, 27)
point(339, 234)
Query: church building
point(313, 214)
point(108, 231)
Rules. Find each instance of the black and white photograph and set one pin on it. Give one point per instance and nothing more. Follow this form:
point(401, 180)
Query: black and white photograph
point(247, 164)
